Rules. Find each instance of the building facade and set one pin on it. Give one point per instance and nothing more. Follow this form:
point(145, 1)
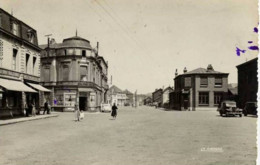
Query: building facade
point(199, 89)
point(148, 101)
point(19, 66)
point(75, 73)
point(117, 96)
point(166, 96)
point(130, 97)
point(247, 82)
point(157, 96)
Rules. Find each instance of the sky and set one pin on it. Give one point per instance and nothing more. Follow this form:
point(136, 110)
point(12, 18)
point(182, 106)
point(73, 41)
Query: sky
point(145, 41)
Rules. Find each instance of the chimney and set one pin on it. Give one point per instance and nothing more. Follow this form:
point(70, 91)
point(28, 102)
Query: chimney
point(210, 68)
point(184, 70)
point(97, 48)
point(176, 72)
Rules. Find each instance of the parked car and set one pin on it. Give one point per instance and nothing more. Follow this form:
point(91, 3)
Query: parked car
point(250, 108)
point(106, 107)
point(229, 108)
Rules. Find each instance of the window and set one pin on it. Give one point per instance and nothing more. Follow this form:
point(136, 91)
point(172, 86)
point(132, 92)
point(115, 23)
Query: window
point(203, 98)
point(34, 63)
point(83, 73)
point(65, 72)
point(27, 63)
point(65, 52)
point(14, 59)
point(93, 74)
point(1, 19)
point(46, 74)
point(15, 28)
point(30, 35)
point(187, 82)
point(203, 81)
point(83, 53)
point(218, 81)
point(217, 97)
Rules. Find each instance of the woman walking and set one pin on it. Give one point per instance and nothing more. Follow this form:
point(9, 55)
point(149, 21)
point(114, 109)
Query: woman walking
point(77, 113)
point(114, 111)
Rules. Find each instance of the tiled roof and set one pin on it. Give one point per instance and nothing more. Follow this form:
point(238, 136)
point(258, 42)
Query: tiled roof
point(114, 89)
point(55, 46)
point(127, 92)
point(255, 59)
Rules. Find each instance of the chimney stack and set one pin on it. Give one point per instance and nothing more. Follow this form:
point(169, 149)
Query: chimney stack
point(176, 72)
point(210, 68)
point(184, 70)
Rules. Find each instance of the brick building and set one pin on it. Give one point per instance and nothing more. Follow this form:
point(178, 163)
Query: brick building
point(199, 89)
point(247, 82)
point(75, 73)
point(19, 66)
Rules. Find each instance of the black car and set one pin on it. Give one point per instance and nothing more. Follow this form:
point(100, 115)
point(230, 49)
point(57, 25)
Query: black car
point(250, 108)
point(228, 107)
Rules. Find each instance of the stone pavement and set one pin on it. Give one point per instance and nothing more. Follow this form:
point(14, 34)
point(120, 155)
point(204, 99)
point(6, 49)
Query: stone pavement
point(23, 119)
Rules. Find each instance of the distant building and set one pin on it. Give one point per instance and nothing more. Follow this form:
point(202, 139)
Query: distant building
point(76, 74)
point(199, 89)
point(247, 82)
point(19, 66)
point(117, 96)
point(232, 92)
point(148, 101)
point(166, 98)
point(130, 97)
point(140, 99)
point(157, 96)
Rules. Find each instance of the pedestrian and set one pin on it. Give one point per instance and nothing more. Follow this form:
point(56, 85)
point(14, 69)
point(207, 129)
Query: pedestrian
point(46, 107)
point(33, 110)
point(82, 115)
point(30, 108)
point(114, 111)
point(77, 112)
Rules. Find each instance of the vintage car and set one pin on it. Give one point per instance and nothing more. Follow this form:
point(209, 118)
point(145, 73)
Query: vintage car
point(250, 108)
point(229, 108)
point(106, 107)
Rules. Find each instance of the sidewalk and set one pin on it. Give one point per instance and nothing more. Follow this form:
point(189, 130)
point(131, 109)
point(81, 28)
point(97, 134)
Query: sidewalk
point(23, 119)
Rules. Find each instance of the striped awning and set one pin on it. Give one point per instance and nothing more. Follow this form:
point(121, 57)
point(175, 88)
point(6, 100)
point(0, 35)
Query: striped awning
point(38, 87)
point(13, 85)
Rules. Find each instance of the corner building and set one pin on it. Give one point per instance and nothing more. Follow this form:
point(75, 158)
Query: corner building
point(75, 73)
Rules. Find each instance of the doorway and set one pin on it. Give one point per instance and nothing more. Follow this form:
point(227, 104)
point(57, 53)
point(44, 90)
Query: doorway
point(83, 103)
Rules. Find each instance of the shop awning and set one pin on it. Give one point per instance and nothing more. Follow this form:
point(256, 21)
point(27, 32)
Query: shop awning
point(39, 87)
point(13, 85)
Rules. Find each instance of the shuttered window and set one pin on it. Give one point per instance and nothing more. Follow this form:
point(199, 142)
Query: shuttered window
point(187, 82)
point(203, 81)
point(218, 81)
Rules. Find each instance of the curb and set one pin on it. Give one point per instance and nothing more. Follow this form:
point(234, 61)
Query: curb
point(13, 121)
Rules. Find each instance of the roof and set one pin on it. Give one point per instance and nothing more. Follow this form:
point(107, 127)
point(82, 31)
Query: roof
point(232, 90)
point(127, 92)
point(114, 89)
point(201, 71)
point(72, 42)
point(168, 88)
point(245, 63)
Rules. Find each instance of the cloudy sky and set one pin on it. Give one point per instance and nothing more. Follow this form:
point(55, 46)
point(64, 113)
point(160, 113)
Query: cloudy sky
point(145, 41)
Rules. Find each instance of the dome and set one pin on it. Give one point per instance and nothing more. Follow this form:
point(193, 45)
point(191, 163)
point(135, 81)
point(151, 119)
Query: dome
point(76, 42)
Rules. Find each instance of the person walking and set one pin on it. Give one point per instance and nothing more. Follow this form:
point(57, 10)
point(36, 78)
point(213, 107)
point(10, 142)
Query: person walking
point(77, 112)
point(33, 110)
point(114, 111)
point(46, 107)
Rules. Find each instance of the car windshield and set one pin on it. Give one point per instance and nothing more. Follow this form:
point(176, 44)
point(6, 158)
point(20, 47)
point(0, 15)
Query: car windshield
point(230, 104)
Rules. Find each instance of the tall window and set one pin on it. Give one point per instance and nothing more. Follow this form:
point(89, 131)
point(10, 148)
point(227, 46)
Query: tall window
point(65, 73)
point(15, 28)
point(203, 81)
point(218, 81)
point(93, 74)
point(27, 63)
point(187, 82)
point(83, 73)
point(46, 74)
point(34, 63)
point(203, 98)
point(14, 59)
point(217, 97)
point(83, 53)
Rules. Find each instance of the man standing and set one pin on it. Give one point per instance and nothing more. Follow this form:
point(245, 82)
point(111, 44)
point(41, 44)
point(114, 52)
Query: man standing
point(114, 111)
point(46, 107)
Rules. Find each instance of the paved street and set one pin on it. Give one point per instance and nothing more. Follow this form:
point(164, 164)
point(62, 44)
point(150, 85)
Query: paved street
point(138, 136)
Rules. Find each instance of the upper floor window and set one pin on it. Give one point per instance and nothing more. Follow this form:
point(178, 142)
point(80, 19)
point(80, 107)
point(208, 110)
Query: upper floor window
point(27, 63)
point(65, 73)
point(15, 28)
point(46, 74)
point(14, 63)
point(187, 81)
point(218, 81)
point(34, 64)
point(93, 73)
point(83, 73)
point(30, 35)
point(83, 53)
point(203, 81)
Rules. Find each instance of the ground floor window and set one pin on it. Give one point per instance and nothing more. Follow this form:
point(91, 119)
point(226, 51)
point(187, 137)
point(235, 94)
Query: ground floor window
point(218, 97)
point(203, 98)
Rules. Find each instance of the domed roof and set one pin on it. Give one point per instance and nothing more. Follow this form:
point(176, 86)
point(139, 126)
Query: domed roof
point(76, 42)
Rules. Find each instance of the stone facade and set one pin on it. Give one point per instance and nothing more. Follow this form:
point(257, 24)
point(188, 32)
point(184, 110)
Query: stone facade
point(75, 73)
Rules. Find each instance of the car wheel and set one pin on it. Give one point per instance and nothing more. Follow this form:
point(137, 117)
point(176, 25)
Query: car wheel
point(240, 115)
point(245, 114)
